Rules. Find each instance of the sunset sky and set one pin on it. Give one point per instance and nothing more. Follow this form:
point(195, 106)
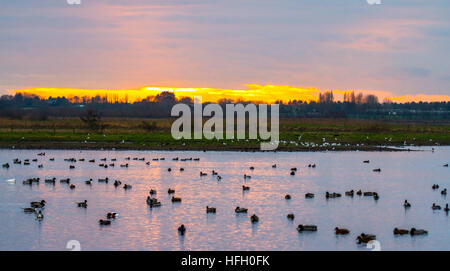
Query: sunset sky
point(400, 48)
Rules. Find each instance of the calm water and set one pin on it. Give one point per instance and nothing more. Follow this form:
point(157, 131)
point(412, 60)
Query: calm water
point(405, 175)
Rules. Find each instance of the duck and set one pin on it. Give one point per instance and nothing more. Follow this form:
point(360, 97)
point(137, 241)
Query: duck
point(5, 165)
point(88, 182)
point(92, 161)
point(170, 191)
point(247, 176)
point(52, 180)
point(245, 188)
point(112, 215)
point(66, 181)
point(51, 159)
point(124, 165)
point(435, 207)
point(81, 159)
point(175, 199)
point(290, 216)
point(375, 196)
point(105, 180)
point(445, 165)
point(400, 231)
point(446, 209)
point(182, 229)
point(214, 172)
point(117, 183)
point(219, 177)
point(287, 197)
point(366, 161)
point(104, 222)
point(240, 210)
point(254, 218)
point(153, 202)
point(203, 173)
point(72, 186)
point(181, 169)
point(38, 204)
point(152, 192)
point(368, 194)
point(252, 168)
point(292, 173)
point(127, 186)
point(365, 238)
point(435, 186)
point(210, 209)
point(406, 204)
point(377, 170)
point(350, 193)
point(294, 169)
point(359, 192)
point(40, 166)
point(39, 215)
point(332, 195)
point(415, 231)
point(71, 167)
point(29, 210)
point(82, 204)
point(274, 166)
point(341, 231)
point(169, 169)
point(309, 195)
point(302, 227)
point(444, 192)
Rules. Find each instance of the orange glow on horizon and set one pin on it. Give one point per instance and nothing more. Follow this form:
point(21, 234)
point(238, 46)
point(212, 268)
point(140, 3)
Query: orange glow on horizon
point(267, 94)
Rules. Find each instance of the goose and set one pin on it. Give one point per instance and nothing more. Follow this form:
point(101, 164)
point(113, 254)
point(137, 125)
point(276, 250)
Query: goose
point(29, 210)
point(88, 182)
point(350, 193)
point(415, 231)
point(406, 204)
point(105, 180)
point(240, 210)
point(245, 188)
point(302, 228)
point(112, 215)
point(103, 222)
point(39, 215)
point(127, 186)
point(170, 191)
point(435, 186)
point(309, 195)
point(446, 209)
point(377, 170)
point(444, 192)
point(38, 204)
point(400, 231)
point(72, 186)
point(254, 218)
point(210, 209)
point(287, 197)
point(117, 183)
point(82, 204)
point(435, 207)
point(182, 229)
point(365, 238)
point(175, 199)
point(290, 216)
point(341, 231)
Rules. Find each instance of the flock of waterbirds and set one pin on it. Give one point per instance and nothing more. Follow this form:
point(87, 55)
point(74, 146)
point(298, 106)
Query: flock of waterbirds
point(37, 207)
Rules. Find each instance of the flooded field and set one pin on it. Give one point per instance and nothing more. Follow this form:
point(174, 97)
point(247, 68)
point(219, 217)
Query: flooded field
point(404, 175)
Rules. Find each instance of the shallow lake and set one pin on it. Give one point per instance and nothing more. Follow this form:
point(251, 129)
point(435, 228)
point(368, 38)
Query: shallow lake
point(404, 175)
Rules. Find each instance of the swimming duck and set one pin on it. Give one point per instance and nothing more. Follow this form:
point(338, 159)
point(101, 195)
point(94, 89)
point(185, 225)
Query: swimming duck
point(366, 161)
point(245, 188)
point(446, 165)
point(71, 167)
point(301, 228)
point(182, 229)
point(368, 194)
point(39, 215)
point(72, 186)
point(375, 196)
point(203, 173)
point(52, 180)
point(415, 231)
point(175, 199)
point(66, 181)
point(247, 176)
point(435, 207)
point(219, 177)
point(377, 170)
point(341, 231)
point(5, 165)
point(350, 193)
point(359, 192)
point(81, 159)
point(252, 168)
point(444, 192)
point(210, 209)
point(88, 182)
point(240, 210)
point(103, 222)
point(105, 180)
point(294, 169)
point(446, 209)
point(365, 238)
point(152, 202)
point(29, 210)
point(127, 186)
point(152, 192)
point(290, 216)
point(40, 166)
point(169, 169)
point(254, 218)
point(292, 173)
point(274, 166)
point(181, 169)
point(111, 215)
point(309, 195)
point(82, 204)
point(435, 186)
point(38, 204)
point(214, 172)
point(51, 159)
point(332, 195)
point(400, 231)
point(124, 165)
point(170, 191)
point(406, 204)
point(92, 161)
point(117, 183)
point(287, 197)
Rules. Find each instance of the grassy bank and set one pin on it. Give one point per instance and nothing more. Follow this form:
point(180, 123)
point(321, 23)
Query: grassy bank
point(295, 134)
